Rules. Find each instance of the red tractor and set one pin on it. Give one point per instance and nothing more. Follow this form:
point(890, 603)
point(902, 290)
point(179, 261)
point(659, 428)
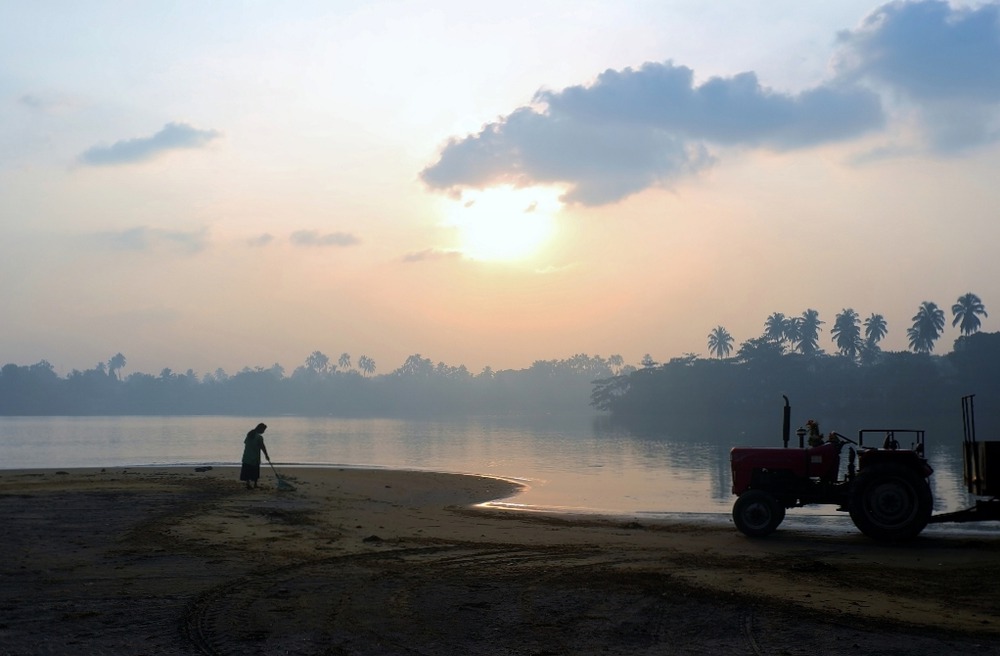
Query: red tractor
point(886, 493)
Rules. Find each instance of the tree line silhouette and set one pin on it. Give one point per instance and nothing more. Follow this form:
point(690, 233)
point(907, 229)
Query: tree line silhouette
point(801, 334)
point(318, 387)
point(860, 385)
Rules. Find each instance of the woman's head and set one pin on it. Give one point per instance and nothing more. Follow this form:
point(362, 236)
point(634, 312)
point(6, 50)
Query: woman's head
point(260, 428)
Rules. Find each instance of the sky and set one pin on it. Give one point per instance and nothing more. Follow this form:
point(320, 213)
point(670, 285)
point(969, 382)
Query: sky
point(230, 184)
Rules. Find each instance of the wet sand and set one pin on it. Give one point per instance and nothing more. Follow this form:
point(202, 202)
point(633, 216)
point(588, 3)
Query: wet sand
point(177, 561)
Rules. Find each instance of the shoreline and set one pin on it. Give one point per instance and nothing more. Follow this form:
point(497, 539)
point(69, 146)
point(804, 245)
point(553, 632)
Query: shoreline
point(194, 547)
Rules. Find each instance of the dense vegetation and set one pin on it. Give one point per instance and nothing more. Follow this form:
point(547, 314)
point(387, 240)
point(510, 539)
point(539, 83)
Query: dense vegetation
point(858, 386)
point(317, 388)
point(899, 388)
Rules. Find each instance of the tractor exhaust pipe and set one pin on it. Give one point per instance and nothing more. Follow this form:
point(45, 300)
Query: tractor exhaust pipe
point(786, 424)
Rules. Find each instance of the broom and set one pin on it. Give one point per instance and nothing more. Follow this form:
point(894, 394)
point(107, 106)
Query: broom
point(282, 483)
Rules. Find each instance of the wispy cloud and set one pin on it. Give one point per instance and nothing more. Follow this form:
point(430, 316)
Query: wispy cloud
point(638, 128)
point(430, 254)
point(314, 238)
point(144, 239)
point(47, 103)
point(173, 136)
point(261, 240)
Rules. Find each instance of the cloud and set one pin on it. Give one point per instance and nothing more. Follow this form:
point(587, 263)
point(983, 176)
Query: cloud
point(261, 240)
point(928, 50)
point(314, 238)
point(173, 136)
point(943, 59)
point(431, 254)
point(144, 239)
point(47, 103)
point(729, 111)
point(639, 128)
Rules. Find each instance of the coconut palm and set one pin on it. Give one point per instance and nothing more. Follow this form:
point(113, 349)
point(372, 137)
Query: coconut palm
point(928, 323)
point(807, 332)
point(966, 312)
point(344, 361)
point(875, 329)
point(366, 365)
point(776, 327)
point(115, 365)
point(318, 362)
point(720, 342)
point(846, 333)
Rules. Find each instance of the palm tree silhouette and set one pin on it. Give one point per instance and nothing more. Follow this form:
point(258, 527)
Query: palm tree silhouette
point(928, 323)
point(318, 362)
point(366, 365)
point(846, 333)
point(966, 312)
point(875, 329)
point(115, 364)
point(807, 333)
point(720, 342)
point(779, 328)
point(344, 361)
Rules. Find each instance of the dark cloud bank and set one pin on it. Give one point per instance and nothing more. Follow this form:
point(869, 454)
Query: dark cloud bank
point(638, 128)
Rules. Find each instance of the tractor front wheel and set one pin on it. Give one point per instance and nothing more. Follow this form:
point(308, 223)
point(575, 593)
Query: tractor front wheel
point(891, 502)
point(757, 513)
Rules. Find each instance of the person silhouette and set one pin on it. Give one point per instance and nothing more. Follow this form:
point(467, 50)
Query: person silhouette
point(253, 445)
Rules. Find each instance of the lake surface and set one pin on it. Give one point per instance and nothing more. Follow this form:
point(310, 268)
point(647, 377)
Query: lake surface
point(568, 464)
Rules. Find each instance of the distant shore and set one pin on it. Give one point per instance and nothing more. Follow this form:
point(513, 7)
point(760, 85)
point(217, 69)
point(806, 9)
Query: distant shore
point(372, 561)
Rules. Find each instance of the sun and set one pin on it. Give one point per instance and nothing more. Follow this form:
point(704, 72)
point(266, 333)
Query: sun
point(503, 223)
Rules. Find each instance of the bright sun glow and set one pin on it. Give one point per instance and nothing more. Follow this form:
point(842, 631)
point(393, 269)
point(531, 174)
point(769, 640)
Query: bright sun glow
point(505, 223)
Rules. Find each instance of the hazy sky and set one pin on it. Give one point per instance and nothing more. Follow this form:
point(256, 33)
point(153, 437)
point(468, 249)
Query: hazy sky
point(202, 185)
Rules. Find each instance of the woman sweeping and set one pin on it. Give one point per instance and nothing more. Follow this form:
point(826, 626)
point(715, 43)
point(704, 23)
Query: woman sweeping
point(253, 445)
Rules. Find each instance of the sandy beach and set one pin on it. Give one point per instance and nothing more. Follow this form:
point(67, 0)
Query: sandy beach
point(354, 561)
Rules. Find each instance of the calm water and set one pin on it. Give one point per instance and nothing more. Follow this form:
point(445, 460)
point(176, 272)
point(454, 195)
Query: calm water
point(571, 465)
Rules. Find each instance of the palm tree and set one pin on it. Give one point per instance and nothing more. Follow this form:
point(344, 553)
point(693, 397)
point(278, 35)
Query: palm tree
point(344, 361)
point(115, 364)
point(416, 365)
point(779, 328)
point(366, 365)
point(720, 342)
point(847, 333)
point(875, 329)
point(807, 333)
point(928, 323)
point(318, 362)
point(966, 312)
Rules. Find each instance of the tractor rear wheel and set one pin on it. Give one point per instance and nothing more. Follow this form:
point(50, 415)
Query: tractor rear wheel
point(891, 502)
point(757, 513)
